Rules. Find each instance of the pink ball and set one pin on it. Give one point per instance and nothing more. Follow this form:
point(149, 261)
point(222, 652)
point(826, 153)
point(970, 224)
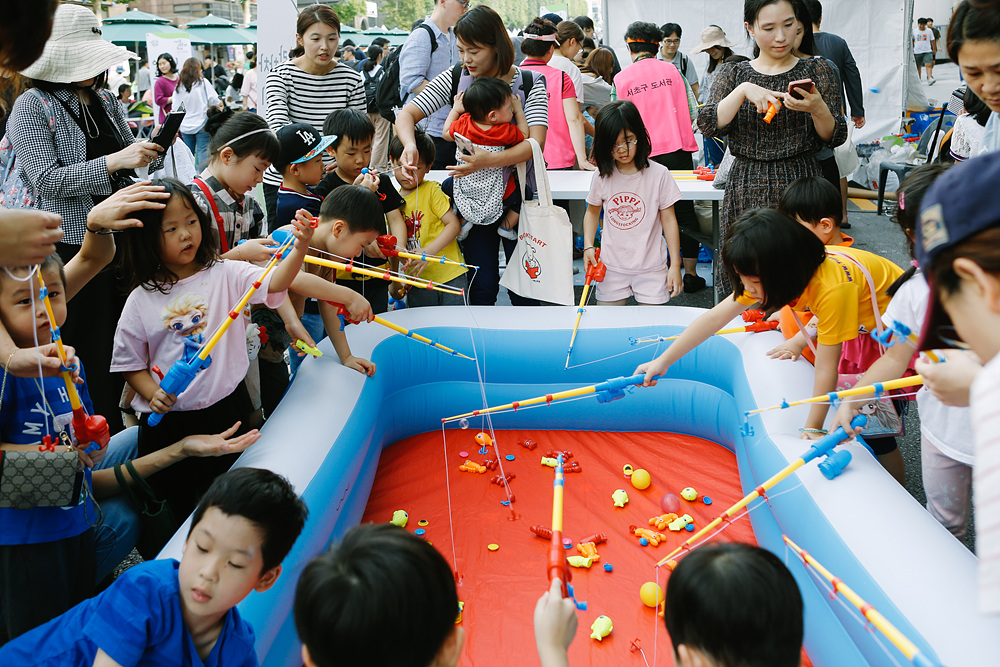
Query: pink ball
point(669, 503)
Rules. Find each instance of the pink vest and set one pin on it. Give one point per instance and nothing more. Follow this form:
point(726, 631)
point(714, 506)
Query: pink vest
point(558, 150)
point(657, 89)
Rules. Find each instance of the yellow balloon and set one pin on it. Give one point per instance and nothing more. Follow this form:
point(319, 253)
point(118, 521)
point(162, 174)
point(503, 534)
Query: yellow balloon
point(651, 594)
point(640, 479)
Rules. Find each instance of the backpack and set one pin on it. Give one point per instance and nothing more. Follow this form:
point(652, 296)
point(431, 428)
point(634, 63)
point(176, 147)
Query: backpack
point(371, 86)
point(386, 99)
point(14, 191)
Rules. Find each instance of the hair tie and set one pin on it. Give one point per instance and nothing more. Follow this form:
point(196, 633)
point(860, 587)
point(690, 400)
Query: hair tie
point(900, 200)
point(244, 136)
point(543, 38)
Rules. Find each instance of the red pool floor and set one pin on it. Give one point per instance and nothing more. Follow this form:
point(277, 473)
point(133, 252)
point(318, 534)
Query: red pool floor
point(500, 588)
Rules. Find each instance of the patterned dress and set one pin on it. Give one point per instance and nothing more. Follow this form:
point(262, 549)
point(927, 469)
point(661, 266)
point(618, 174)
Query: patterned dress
point(767, 156)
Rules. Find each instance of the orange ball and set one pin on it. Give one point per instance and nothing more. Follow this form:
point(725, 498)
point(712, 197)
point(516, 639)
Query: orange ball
point(641, 479)
point(651, 594)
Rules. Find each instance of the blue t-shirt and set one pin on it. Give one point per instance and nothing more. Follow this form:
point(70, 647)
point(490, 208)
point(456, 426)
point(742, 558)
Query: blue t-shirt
point(290, 201)
point(137, 622)
point(24, 420)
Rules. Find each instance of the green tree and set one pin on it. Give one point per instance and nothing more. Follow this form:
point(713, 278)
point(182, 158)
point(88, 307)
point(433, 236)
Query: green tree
point(402, 13)
point(348, 9)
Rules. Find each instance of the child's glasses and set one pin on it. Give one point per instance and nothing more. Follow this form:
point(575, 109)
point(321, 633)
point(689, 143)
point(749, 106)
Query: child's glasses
point(627, 146)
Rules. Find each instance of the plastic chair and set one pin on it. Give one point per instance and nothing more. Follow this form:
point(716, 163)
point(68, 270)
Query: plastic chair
point(901, 169)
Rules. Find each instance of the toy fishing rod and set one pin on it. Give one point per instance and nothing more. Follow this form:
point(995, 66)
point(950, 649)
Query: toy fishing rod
point(891, 335)
point(831, 467)
point(345, 319)
point(387, 244)
point(87, 428)
point(899, 640)
point(182, 373)
point(595, 273)
point(279, 236)
point(878, 388)
point(557, 566)
point(749, 328)
point(609, 390)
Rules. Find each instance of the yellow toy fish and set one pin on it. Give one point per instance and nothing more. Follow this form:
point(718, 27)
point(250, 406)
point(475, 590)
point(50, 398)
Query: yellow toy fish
point(399, 518)
point(601, 628)
point(580, 561)
point(620, 498)
point(680, 523)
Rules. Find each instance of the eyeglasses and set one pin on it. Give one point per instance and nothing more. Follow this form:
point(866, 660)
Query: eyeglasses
point(465, 3)
point(627, 146)
point(672, 41)
point(949, 336)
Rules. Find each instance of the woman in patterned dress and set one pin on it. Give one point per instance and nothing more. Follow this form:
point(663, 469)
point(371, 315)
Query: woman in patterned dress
point(769, 156)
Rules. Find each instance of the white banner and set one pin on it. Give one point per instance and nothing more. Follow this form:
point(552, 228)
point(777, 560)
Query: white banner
point(275, 35)
point(177, 44)
point(873, 30)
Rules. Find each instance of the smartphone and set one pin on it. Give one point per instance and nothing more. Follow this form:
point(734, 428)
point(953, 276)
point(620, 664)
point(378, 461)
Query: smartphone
point(797, 88)
point(464, 144)
point(171, 126)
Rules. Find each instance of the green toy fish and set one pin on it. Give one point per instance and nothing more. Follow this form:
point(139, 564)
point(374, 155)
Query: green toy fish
point(399, 518)
point(620, 498)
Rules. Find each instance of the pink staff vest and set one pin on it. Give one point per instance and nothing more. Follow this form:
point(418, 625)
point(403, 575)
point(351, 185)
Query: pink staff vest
point(657, 89)
point(558, 150)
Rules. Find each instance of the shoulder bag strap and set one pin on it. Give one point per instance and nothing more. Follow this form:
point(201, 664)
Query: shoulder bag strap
point(543, 192)
point(871, 284)
point(203, 186)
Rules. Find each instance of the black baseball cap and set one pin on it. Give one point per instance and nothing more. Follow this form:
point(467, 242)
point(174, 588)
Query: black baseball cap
point(300, 142)
point(960, 204)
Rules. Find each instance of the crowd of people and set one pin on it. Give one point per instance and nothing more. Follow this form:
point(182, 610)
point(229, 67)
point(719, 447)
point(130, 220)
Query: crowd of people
point(138, 272)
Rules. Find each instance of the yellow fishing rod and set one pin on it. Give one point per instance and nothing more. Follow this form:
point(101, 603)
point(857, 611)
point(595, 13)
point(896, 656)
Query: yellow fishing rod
point(899, 640)
point(831, 467)
point(753, 327)
point(595, 273)
point(878, 388)
point(345, 319)
point(606, 391)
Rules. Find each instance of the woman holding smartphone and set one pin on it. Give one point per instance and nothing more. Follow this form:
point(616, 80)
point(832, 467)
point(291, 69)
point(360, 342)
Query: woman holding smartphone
point(770, 155)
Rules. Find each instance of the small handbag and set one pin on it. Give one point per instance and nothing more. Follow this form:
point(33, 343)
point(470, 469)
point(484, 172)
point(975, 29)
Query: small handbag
point(40, 479)
point(155, 516)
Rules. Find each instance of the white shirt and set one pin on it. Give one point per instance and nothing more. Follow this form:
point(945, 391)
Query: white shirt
point(196, 101)
point(990, 142)
point(985, 399)
point(922, 40)
point(947, 428)
point(563, 63)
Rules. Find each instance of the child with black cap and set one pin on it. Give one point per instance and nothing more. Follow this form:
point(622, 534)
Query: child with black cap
point(300, 163)
point(958, 248)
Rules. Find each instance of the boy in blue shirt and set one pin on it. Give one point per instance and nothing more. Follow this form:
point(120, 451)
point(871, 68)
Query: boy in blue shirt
point(165, 613)
point(300, 163)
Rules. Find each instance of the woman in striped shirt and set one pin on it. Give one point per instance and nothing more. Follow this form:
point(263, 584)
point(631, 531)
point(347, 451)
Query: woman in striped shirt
point(485, 49)
point(309, 86)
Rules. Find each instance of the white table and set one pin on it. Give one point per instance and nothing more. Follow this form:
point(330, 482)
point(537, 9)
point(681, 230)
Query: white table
point(575, 186)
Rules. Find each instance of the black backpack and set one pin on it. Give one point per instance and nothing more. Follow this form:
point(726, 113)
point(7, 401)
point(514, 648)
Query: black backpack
point(385, 97)
point(371, 86)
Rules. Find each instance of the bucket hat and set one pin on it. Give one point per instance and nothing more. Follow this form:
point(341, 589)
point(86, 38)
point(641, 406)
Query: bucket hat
point(712, 36)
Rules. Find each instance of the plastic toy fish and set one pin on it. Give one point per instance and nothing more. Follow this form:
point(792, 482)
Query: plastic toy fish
point(399, 518)
point(552, 463)
point(689, 494)
point(620, 498)
point(652, 536)
point(484, 440)
point(601, 628)
point(680, 523)
point(662, 521)
point(579, 561)
point(588, 550)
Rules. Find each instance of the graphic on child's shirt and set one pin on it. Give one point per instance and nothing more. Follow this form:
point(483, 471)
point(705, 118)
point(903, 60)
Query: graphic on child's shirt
point(187, 316)
point(625, 210)
point(413, 223)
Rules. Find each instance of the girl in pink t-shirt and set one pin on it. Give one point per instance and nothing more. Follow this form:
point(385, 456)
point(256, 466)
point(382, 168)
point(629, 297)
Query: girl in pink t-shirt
point(638, 198)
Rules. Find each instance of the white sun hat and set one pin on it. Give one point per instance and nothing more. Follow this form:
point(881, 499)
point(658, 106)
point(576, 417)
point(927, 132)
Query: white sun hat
point(711, 36)
point(76, 51)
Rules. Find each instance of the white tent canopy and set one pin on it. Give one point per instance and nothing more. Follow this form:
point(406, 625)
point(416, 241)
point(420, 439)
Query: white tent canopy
point(877, 32)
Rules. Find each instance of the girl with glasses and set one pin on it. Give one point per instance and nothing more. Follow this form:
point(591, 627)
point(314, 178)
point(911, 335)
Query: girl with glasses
point(640, 227)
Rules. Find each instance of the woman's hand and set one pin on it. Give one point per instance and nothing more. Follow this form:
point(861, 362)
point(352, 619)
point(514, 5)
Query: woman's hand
point(27, 236)
point(219, 444)
point(134, 156)
point(760, 97)
point(812, 102)
point(471, 163)
point(25, 362)
point(256, 250)
point(113, 213)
